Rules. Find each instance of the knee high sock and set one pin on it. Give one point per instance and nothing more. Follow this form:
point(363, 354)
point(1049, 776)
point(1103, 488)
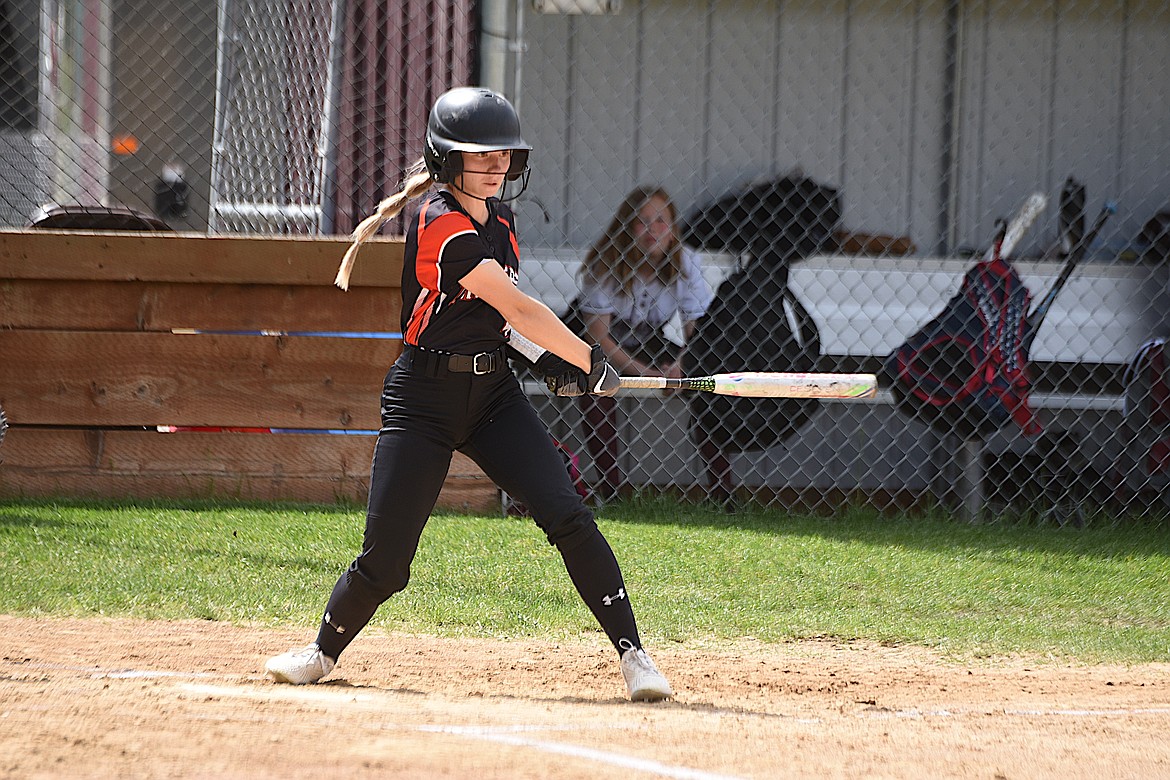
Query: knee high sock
point(349, 609)
point(592, 567)
point(598, 579)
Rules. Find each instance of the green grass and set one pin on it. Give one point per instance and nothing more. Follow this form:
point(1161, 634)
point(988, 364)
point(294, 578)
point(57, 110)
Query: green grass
point(1092, 595)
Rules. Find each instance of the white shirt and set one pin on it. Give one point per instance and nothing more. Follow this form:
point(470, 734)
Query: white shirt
point(651, 303)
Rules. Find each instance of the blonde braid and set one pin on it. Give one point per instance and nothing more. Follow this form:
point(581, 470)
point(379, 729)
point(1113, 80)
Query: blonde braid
point(417, 181)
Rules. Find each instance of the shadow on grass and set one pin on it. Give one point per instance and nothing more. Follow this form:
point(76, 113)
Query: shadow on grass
point(54, 516)
point(188, 505)
point(1105, 537)
point(18, 519)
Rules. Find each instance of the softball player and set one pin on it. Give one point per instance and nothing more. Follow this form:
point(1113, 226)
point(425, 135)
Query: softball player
point(451, 389)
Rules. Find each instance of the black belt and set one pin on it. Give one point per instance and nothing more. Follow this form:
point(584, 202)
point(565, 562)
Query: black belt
point(435, 363)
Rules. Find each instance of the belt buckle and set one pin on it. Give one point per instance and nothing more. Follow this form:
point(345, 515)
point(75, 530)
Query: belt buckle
point(488, 359)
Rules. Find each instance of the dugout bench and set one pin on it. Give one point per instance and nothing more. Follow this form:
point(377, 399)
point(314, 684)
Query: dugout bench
point(865, 307)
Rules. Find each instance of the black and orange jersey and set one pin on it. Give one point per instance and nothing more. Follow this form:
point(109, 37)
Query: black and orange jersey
point(443, 244)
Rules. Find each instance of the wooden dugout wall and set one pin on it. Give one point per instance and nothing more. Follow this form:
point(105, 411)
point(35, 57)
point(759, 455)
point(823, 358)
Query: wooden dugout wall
point(96, 352)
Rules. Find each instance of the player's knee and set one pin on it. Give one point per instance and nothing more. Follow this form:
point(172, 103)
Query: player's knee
point(378, 583)
point(572, 530)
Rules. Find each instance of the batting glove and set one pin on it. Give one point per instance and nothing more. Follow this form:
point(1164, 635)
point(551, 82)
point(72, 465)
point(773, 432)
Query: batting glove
point(603, 378)
point(562, 377)
point(569, 384)
point(551, 364)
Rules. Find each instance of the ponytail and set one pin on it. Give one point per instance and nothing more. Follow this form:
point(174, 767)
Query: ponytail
point(417, 181)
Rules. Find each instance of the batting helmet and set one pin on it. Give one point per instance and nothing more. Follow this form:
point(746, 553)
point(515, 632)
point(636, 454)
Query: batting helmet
point(472, 119)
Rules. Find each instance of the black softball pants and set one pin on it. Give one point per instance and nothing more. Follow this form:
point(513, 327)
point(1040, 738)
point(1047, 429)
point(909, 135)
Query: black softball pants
point(426, 415)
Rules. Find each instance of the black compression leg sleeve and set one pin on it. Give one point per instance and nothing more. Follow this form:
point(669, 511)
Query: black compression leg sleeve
point(597, 577)
point(516, 452)
point(405, 480)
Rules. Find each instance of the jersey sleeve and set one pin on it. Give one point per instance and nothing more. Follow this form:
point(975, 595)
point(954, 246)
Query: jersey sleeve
point(449, 249)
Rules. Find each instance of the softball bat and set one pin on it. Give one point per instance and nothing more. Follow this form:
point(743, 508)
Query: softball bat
point(760, 384)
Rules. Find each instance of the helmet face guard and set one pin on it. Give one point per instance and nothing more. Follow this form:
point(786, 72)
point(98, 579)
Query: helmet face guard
point(472, 119)
point(452, 165)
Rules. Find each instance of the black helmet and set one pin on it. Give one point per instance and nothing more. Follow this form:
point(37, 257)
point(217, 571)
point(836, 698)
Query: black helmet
point(472, 119)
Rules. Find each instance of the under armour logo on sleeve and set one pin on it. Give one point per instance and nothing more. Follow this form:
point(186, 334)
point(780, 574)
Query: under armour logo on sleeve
point(608, 600)
point(334, 626)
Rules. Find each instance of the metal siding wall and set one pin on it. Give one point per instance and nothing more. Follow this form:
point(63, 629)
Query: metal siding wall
point(927, 124)
point(542, 214)
point(741, 115)
point(1144, 143)
point(356, 133)
point(771, 98)
point(387, 90)
point(602, 115)
point(671, 118)
point(1005, 120)
point(1085, 106)
point(876, 176)
point(852, 93)
point(812, 73)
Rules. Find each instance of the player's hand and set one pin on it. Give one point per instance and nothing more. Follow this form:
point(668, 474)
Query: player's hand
point(551, 364)
point(562, 377)
point(603, 378)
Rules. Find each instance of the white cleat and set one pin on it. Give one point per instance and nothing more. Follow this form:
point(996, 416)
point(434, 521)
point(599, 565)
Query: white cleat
point(643, 680)
point(298, 667)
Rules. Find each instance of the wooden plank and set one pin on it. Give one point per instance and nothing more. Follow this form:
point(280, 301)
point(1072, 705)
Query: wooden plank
point(160, 306)
point(51, 463)
point(104, 379)
point(193, 257)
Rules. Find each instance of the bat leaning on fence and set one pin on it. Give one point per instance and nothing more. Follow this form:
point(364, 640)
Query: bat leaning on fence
point(761, 384)
point(1011, 233)
point(1075, 255)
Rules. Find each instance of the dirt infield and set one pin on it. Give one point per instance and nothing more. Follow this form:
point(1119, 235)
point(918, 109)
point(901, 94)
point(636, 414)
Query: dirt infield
point(122, 698)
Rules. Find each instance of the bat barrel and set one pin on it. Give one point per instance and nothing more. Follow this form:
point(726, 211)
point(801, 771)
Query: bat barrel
point(759, 384)
point(796, 385)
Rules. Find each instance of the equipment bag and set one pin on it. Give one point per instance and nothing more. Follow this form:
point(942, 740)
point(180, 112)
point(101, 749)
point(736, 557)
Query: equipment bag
point(966, 371)
point(775, 221)
point(1147, 405)
point(755, 323)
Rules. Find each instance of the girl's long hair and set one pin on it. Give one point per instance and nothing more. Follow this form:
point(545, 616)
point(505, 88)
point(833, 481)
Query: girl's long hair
point(616, 255)
point(416, 181)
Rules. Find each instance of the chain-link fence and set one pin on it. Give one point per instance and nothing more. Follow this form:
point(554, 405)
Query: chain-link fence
point(718, 186)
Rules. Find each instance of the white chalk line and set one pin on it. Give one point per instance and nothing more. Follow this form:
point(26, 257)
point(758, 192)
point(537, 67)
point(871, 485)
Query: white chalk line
point(135, 674)
point(511, 735)
point(576, 751)
point(97, 673)
point(322, 692)
point(506, 735)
